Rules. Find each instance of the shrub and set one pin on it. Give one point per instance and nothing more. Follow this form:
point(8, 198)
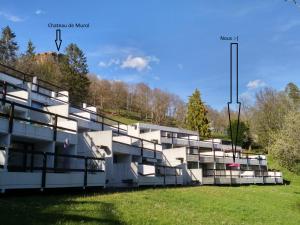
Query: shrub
point(285, 147)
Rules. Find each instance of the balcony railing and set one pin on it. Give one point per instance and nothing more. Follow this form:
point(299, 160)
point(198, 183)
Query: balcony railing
point(38, 161)
point(34, 116)
point(215, 155)
point(44, 88)
point(238, 173)
point(165, 172)
point(133, 141)
point(45, 91)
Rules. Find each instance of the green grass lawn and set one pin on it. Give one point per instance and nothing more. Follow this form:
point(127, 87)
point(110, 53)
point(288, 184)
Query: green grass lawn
point(183, 205)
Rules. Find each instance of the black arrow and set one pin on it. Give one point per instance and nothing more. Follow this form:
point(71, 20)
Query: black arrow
point(237, 98)
point(58, 40)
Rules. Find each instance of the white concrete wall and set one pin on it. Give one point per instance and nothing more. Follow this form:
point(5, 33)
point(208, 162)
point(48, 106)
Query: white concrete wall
point(133, 130)
point(63, 96)
point(154, 135)
point(89, 144)
point(127, 140)
point(62, 109)
point(146, 169)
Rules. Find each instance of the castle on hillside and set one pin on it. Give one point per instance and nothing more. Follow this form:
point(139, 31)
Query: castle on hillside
point(46, 142)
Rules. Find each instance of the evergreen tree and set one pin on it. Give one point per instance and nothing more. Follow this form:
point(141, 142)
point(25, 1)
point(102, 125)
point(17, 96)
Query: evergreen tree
point(30, 49)
point(8, 47)
point(74, 69)
point(243, 138)
point(76, 59)
point(197, 115)
point(293, 93)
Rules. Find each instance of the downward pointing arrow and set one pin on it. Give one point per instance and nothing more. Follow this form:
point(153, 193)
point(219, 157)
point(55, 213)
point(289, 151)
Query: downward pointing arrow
point(237, 99)
point(58, 40)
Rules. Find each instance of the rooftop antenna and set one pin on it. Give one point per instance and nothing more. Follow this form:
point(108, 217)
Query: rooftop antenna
point(234, 46)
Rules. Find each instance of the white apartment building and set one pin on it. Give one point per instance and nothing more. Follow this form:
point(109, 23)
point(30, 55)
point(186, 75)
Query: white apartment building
point(46, 142)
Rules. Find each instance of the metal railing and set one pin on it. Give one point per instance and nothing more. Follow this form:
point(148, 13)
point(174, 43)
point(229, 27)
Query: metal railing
point(46, 88)
point(38, 161)
point(238, 173)
point(117, 131)
point(161, 171)
point(247, 156)
point(48, 119)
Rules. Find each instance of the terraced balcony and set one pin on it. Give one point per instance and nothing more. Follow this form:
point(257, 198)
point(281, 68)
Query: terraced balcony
point(235, 176)
point(35, 169)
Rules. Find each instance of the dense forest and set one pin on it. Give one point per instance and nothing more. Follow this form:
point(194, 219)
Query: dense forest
point(271, 124)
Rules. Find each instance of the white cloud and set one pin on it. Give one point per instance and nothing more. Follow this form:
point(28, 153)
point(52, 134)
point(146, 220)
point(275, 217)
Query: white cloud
point(111, 62)
point(11, 17)
point(39, 12)
point(139, 63)
point(254, 84)
point(124, 57)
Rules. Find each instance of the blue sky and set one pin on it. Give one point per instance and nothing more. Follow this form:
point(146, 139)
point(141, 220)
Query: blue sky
point(172, 44)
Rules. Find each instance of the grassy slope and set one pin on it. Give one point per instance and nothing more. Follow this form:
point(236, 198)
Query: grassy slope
point(188, 205)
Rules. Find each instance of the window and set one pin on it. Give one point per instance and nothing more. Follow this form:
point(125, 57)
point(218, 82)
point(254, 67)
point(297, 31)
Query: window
point(192, 165)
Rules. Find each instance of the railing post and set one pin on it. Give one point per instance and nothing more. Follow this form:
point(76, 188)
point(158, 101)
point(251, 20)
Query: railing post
point(85, 171)
point(4, 92)
point(247, 157)
point(11, 117)
point(175, 177)
point(142, 148)
point(154, 150)
point(55, 159)
point(214, 174)
point(102, 122)
point(164, 176)
point(55, 128)
point(230, 176)
point(25, 159)
point(44, 172)
point(118, 127)
point(31, 162)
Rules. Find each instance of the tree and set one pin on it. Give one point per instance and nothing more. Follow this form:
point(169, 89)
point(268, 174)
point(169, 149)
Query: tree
point(197, 115)
point(74, 69)
point(242, 138)
point(27, 62)
point(8, 47)
point(293, 93)
point(30, 49)
point(268, 114)
point(119, 92)
point(76, 59)
point(285, 147)
point(179, 111)
point(141, 99)
point(159, 105)
point(218, 121)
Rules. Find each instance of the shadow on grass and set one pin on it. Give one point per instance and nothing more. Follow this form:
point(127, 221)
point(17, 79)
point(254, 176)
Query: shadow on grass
point(286, 182)
point(52, 210)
